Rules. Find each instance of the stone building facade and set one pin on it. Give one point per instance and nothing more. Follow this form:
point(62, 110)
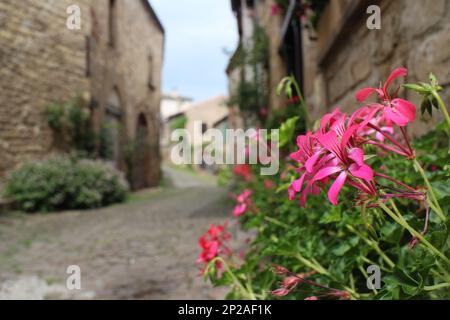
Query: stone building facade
point(114, 59)
point(347, 55)
point(283, 48)
point(342, 54)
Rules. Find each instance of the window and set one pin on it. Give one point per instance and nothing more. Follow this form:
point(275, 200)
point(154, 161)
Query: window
point(204, 127)
point(250, 3)
point(150, 73)
point(88, 56)
point(112, 23)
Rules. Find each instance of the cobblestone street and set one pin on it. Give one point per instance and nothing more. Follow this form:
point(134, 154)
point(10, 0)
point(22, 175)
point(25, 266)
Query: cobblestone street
point(144, 249)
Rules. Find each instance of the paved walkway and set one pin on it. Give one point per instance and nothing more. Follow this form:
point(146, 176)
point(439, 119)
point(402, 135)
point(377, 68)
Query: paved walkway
point(145, 249)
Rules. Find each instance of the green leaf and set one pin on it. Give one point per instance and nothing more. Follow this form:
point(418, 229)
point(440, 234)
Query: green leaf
point(441, 188)
point(334, 215)
point(342, 249)
point(287, 130)
point(416, 88)
point(401, 277)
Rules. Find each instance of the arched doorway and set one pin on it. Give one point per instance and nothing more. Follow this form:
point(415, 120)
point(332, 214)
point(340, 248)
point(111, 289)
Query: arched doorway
point(141, 154)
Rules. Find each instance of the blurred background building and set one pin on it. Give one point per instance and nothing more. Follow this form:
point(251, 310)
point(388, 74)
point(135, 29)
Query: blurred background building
point(112, 63)
point(181, 113)
point(173, 107)
point(331, 52)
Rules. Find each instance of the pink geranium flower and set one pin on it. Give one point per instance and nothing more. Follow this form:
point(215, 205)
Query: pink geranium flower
point(399, 111)
point(381, 122)
point(332, 152)
point(213, 244)
point(346, 161)
point(307, 156)
point(243, 201)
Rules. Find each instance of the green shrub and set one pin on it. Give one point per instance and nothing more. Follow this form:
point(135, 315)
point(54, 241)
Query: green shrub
point(71, 124)
point(61, 183)
point(178, 123)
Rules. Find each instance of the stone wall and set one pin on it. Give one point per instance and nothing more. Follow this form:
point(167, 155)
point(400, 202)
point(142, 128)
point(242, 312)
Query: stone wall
point(276, 68)
point(414, 34)
point(42, 61)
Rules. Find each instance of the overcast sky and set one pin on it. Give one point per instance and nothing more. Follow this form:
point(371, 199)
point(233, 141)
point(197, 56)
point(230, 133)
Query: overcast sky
point(197, 32)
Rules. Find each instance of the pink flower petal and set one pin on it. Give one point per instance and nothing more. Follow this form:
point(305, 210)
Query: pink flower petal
point(361, 171)
point(280, 292)
point(239, 209)
point(326, 119)
point(325, 172)
point(291, 193)
point(393, 115)
point(357, 155)
point(399, 72)
point(297, 184)
point(379, 137)
point(244, 195)
point(388, 129)
point(297, 156)
point(305, 193)
point(309, 164)
point(364, 93)
point(331, 142)
point(348, 134)
point(405, 108)
point(336, 187)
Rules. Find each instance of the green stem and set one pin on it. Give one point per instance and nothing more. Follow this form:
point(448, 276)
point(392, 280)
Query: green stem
point(442, 106)
point(302, 101)
point(277, 222)
point(441, 276)
point(245, 291)
point(444, 271)
point(415, 233)
point(374, 246)
point(366, 276)
point(439, 211)
point(436, 286)
point(315, 266)
point(368, 261)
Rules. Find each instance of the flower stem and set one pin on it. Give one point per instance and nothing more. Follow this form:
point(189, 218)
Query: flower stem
point(387, 148)
point(434, 205)
point(315, 266)
point(442, 106)
point(381, 175)
point(405, 137)
point(245, 291)
point(302, 100)
point(436, 286)
point(374, 245)
point(386, 135)
point(401, 221)
point(277, 222)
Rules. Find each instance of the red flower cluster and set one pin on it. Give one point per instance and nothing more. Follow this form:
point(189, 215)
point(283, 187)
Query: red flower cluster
point(244, 171)
point(335, 151)
point(213, 244)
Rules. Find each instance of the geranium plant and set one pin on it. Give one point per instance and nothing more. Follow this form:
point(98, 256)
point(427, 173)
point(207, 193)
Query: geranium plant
point(356, 192)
